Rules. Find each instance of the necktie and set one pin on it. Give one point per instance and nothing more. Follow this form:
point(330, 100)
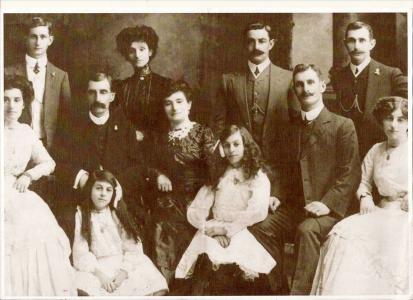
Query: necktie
point(256, 72)
point(356, 71)
point(36, 68)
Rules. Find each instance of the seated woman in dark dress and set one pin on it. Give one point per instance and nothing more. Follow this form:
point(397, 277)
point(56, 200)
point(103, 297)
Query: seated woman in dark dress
point(179, 169)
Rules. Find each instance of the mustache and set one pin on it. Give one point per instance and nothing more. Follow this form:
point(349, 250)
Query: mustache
point(257, 52)
point(98, 105)
point(356, 52)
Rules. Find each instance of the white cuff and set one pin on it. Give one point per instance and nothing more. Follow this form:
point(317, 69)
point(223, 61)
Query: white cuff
point(78, 176)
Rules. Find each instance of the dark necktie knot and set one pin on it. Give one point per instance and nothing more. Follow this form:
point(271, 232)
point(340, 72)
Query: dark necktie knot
point(257, 71)
point(36, 68)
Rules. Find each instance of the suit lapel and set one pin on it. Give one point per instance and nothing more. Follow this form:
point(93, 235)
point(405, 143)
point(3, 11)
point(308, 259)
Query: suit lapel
point(317, 131)
point(50, 106)
point(240, 88)
point(372, 86)
point(111, 137)
point(274, 103)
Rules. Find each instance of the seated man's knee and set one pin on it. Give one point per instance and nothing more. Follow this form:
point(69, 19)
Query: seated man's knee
point(309, 226)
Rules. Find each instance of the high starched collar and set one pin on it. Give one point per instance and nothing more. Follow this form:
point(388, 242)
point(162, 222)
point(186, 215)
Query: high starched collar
point(360, 67)
point(261, 66)
point(99, 121)
point(42, 61)
point(312, 114)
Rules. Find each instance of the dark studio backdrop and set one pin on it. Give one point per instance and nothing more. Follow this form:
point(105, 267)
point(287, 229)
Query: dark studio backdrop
point(200, 47)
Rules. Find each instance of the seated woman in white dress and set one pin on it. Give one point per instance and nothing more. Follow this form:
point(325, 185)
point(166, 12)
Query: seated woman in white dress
point(367, 253)
point(238, 199)
point(107, 251)
point(36, 253)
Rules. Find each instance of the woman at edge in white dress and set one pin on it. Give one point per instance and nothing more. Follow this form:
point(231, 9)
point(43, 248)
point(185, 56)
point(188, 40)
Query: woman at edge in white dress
point(367, 253)
point(36, 249)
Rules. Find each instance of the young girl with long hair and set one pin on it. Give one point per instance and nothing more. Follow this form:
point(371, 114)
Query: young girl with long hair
point(107, 251)
point(222, 211)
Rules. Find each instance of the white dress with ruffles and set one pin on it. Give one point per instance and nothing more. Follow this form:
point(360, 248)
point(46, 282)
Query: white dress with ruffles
point(37, 250)
point(368, 254)
point(236, 204)
point(112, 250)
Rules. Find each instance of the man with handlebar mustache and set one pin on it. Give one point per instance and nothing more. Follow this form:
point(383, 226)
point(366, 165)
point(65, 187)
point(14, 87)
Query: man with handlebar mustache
point(362, 82)
point(260, 98)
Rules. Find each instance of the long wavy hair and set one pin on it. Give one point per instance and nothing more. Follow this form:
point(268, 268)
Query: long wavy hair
point(251, 162)
point(121, 209)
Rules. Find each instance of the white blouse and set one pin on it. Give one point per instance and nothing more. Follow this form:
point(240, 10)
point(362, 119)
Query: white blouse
point(389, 173)
point(21, 147)
point(108, 240)
point(236, 203)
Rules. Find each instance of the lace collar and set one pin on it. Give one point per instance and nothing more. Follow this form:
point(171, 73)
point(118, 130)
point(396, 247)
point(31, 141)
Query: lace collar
point(181, 132)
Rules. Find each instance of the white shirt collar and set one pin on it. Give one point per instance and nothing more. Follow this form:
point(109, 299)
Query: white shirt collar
point(42, 61)
point(360, 67)
point(261, 66)
point(312, 114)
point(99, 121)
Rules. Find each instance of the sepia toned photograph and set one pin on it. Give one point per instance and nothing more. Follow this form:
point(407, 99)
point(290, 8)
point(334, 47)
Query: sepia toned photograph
point(206, 153)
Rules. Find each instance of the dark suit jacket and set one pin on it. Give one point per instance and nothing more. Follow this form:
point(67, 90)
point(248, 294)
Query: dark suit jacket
point(57, 107)
point(231, 106)
point(329, 162)
point(382, 81)
point(122, 155)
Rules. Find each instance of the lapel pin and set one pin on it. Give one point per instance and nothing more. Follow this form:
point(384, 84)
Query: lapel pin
point(116, 128)
point(377, 72)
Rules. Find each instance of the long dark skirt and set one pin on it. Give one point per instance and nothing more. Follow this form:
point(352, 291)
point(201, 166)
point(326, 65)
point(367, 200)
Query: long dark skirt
point(225, 280)
point(172, 232)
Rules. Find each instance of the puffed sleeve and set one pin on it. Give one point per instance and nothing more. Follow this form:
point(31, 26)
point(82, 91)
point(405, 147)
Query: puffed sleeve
point(131, 249)
point(83, 259)
point(257, 208)
point(43, 162)
point(367, 170)
point(199, 209)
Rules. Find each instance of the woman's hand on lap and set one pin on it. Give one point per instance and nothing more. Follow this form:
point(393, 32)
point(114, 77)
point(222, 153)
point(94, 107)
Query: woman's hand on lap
point(367, 205)
point(164, 184)
point(223, 240)
point(22, 183)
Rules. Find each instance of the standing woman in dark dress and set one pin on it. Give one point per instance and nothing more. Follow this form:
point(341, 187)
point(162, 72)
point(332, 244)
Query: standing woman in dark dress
point(141, 94)
point(180, 169)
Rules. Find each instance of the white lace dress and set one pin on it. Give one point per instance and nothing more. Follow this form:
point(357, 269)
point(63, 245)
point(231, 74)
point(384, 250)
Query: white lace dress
point(111, 250)
point(368, 254)
point(236, 204)
point(36, 249)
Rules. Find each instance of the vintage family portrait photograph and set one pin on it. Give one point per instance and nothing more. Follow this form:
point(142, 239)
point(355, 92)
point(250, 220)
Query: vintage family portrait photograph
point(198, 152)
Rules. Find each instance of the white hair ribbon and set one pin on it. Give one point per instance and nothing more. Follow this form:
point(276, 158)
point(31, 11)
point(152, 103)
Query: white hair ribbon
point(118, 194)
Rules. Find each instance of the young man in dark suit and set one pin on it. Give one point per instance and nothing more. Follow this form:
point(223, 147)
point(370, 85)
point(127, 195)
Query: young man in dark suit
point(49, 112)
point(362, 82)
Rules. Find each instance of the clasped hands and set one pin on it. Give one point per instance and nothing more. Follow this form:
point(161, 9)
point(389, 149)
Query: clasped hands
point(111, 284)
point(219, 233)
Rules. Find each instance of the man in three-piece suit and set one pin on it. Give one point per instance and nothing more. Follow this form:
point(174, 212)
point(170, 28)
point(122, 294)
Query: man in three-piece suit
point(259, 98)
point(97, 139)
point(362, 82)
point(49, 112)
point(322, 172)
